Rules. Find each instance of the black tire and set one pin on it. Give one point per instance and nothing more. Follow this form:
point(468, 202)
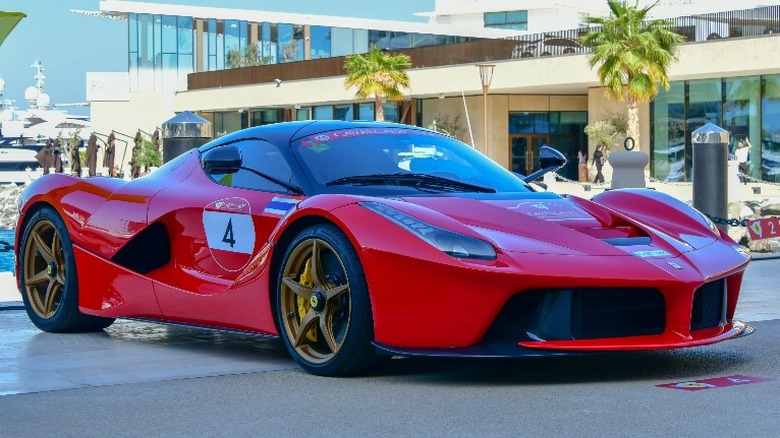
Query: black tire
point(47, 271)
point(324, 311)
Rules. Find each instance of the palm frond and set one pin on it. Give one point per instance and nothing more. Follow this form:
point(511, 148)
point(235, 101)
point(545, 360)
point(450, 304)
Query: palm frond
point(631, 53)
point(377, 74)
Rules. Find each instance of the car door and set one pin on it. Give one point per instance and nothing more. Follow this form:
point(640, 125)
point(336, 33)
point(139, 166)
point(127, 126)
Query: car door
point(218, 231)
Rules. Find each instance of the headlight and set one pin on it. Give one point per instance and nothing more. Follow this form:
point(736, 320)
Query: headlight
point(451, 243)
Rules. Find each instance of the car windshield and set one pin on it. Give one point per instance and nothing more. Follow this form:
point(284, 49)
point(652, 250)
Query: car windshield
point(384, 161)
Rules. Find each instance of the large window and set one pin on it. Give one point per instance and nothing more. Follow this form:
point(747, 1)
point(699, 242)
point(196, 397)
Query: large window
point(163, 49)
point(268, 43)
point(517, 20)
point(703, 101)
point(746, 107)
point(320, 42)
point(668, 163)
point(770, 132)
point(160, 52)
point(741, 100)
point(265, 117)
point(348, 41)
point(355, 111)
point(528, 131)
point(225, 123)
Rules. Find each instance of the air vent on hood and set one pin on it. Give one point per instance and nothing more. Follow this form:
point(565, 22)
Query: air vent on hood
point(628, 241)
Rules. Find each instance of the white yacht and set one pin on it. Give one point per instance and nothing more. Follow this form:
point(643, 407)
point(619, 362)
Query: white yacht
point(23, 133)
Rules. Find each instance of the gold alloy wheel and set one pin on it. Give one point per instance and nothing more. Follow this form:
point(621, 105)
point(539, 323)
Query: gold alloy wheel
point(44, 269)
point(315, 300)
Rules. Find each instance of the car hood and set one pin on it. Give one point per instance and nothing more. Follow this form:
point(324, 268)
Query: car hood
point(545, 223)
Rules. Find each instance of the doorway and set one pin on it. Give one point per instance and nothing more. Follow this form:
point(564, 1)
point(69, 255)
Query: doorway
point(524, 150)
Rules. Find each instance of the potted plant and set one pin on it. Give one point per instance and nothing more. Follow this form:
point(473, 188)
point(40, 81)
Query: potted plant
point(149, 156)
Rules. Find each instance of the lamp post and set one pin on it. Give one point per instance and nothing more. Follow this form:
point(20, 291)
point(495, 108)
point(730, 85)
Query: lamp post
point(485, 77)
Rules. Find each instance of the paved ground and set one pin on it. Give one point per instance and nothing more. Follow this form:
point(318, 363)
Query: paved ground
point(611, 395)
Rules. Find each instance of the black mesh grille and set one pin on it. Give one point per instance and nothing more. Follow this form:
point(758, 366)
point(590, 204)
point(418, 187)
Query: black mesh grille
point(580, 314)
point(709, 307)
point(607, 313)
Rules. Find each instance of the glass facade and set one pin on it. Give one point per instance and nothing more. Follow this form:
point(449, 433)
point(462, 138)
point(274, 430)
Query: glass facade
point(164, 49)
point(517, 20)
point(562, 130)
point(161, 52)
point(265, 117)
point(353, 111)
point(227, 122)
point(320, 38)
point(747, 107)
point(668, 113)
point(770, 128)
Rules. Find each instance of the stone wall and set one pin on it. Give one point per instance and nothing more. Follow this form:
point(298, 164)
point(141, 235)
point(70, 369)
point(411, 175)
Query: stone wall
point(754, 210)
point(9, 200)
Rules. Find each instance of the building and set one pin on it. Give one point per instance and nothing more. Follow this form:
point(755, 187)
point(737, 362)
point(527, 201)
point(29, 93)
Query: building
point(542, 90)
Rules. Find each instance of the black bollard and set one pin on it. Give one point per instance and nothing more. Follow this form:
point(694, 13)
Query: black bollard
point(710, 168)
point(184, 132)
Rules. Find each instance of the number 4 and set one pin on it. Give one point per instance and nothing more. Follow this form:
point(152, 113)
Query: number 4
point(228, 236)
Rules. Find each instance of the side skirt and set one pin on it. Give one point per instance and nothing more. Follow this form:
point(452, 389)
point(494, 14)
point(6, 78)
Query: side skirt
point(205, 327)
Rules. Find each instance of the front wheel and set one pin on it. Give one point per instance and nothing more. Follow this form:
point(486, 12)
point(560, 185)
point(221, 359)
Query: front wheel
point(323, 307)
point(47, 269)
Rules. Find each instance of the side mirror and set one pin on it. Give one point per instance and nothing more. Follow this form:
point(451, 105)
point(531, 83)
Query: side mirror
point(221, 159)
point(550, 160)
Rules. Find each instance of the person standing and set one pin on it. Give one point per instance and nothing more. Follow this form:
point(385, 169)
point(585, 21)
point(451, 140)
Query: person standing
point(45, 156)
point(75, 160)
point(598, 161)
point(109, 154)
point(582, 162)
point(135, 168)
point(57, 151)
point(742, 155)
point(92, 150)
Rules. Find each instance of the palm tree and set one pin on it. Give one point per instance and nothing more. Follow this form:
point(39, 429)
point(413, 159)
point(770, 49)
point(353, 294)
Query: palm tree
point(379, 75)
point(633, 54)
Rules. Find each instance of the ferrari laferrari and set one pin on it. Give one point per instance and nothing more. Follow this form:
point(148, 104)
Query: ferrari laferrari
point(357, 241)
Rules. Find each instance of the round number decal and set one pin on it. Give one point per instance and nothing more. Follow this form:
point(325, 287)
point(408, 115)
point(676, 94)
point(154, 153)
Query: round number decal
point(230, 232)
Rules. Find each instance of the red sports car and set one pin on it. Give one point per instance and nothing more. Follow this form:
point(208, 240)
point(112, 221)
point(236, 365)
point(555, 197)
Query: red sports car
point(357, 241)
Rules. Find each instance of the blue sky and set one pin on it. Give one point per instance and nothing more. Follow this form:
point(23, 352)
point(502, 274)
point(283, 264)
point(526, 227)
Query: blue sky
point(69, 44)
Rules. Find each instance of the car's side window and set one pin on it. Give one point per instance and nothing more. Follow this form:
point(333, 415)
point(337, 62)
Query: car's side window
point(259, 158)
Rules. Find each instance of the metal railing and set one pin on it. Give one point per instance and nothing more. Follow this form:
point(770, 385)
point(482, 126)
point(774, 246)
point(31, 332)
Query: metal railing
point(695, 28)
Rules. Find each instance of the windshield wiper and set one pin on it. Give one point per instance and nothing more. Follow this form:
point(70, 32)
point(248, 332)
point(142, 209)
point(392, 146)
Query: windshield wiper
point(294, 189)
point(412, 179)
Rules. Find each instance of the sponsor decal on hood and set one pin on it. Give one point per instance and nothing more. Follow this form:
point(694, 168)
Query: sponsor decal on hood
point(547, 209)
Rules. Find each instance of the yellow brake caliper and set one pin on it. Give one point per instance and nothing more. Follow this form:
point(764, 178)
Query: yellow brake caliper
point(303, 304)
